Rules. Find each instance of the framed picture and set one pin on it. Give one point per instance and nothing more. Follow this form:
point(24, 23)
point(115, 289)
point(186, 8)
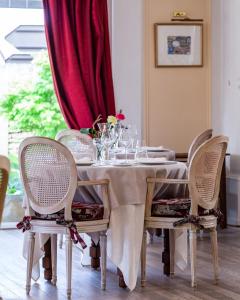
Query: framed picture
point(178, 45)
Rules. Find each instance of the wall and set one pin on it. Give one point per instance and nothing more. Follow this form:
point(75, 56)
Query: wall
point(226, 92)
point(226, 73)
point(127, 58)
point(177, 100)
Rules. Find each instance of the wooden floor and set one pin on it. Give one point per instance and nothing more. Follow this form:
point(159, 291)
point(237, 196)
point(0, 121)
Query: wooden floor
point(86, 282)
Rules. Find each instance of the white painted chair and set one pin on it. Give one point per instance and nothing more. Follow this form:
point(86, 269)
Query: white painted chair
point(203, 183)
point(49, 176)
point(81, 146)
point(4, 175)
point(198, 141)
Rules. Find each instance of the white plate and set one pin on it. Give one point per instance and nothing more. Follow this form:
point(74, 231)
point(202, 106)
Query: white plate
point(85, 163)
point(155, 161)
point(123, 164)
point(156, 149)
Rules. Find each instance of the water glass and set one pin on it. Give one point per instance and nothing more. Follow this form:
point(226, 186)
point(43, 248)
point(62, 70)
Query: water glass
point(141, 150)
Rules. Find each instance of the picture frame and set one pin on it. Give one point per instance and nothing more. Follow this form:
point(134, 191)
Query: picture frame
point(178, 44)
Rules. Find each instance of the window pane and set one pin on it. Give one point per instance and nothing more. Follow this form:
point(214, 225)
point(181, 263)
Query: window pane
point(18, 3)
point(35, 4)
point(4, 3)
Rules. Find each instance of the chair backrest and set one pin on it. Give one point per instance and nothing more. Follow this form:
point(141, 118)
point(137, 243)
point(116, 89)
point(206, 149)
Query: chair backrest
point(4, 175)
point(205, 173)
point(198, 140)
point(81, 145)
point(49, 175)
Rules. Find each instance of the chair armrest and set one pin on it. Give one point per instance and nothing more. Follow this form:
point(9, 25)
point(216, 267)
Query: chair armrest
point(167, 180)
point(93, 182)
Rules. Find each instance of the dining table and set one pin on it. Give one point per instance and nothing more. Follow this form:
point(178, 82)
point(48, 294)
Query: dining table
point(127, 195)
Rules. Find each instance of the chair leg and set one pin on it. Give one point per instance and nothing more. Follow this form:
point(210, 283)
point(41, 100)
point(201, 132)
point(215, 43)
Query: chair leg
point(172, 251)
point(103, 247)
point(193, 249)
point(54, 258)
point(213, 235)
point(31, 243)
point(201, 232)
point(60, 241)
point(69, 263)
point(143, 258)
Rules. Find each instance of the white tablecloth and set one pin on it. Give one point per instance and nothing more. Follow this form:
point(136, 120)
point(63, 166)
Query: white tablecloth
point(127, 194)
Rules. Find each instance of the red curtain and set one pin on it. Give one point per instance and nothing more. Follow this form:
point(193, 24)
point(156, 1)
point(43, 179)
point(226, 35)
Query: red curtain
point(78, 45)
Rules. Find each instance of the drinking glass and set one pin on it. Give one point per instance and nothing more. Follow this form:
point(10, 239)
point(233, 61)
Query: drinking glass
point(141, 150)
point(99, 146)
point(133, 133)
point(103, 127)
point(125, 141)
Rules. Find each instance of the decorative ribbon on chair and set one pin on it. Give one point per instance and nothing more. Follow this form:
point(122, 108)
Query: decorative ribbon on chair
point(25, 224)
point(78, 44)
point(189, 219)
point(75, 236)
point(197, 219)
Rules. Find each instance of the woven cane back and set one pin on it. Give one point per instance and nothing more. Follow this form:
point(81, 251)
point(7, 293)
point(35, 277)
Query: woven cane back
point(49, 175)
point(205, 172)
point(198, 141)
point(4, 175)
point(80, 145)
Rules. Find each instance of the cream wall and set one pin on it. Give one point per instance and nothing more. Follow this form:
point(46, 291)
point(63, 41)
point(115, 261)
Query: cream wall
point(127, 28)
point(177, 100)
point(226, 75)
point(168, 116)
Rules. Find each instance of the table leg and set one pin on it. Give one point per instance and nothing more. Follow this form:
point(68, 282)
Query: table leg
point(47, 262)
point(121, 281)
point(166, 254)
point(95, 254)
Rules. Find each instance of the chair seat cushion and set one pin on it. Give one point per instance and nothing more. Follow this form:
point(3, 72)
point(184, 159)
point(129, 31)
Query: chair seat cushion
point(80, 212)
point(177, 207)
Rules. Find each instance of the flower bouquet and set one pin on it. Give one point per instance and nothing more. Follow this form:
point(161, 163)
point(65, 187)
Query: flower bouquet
point(106, 135)
point(113, 123)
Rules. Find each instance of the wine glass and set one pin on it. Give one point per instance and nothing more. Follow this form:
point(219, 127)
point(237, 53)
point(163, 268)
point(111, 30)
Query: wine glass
point(125, 141)
point(133, 132)
point(107, 139)
point(103, 127)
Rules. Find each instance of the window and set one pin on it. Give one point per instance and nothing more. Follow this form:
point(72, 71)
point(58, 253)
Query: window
point(21, 4)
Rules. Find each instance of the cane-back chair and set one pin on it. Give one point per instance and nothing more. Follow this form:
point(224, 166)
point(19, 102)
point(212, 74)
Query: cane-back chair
point(82, 148)
point(198, 141)
point(49, 176)
point(198, 211)
point(81, 145)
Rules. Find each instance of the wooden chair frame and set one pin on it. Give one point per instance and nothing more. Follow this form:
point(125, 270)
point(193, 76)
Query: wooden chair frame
point(50, 227)
point(198, 141)
point(208, 222)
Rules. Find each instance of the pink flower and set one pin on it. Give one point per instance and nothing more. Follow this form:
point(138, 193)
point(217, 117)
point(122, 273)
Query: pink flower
point(120, 117)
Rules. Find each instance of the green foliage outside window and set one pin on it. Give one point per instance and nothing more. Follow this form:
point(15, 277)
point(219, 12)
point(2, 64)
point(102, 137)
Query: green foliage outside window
point(32, 107)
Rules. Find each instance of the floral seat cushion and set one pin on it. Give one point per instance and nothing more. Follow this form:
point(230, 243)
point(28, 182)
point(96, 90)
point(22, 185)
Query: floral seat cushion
point(80, 212)
point(177, 207)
